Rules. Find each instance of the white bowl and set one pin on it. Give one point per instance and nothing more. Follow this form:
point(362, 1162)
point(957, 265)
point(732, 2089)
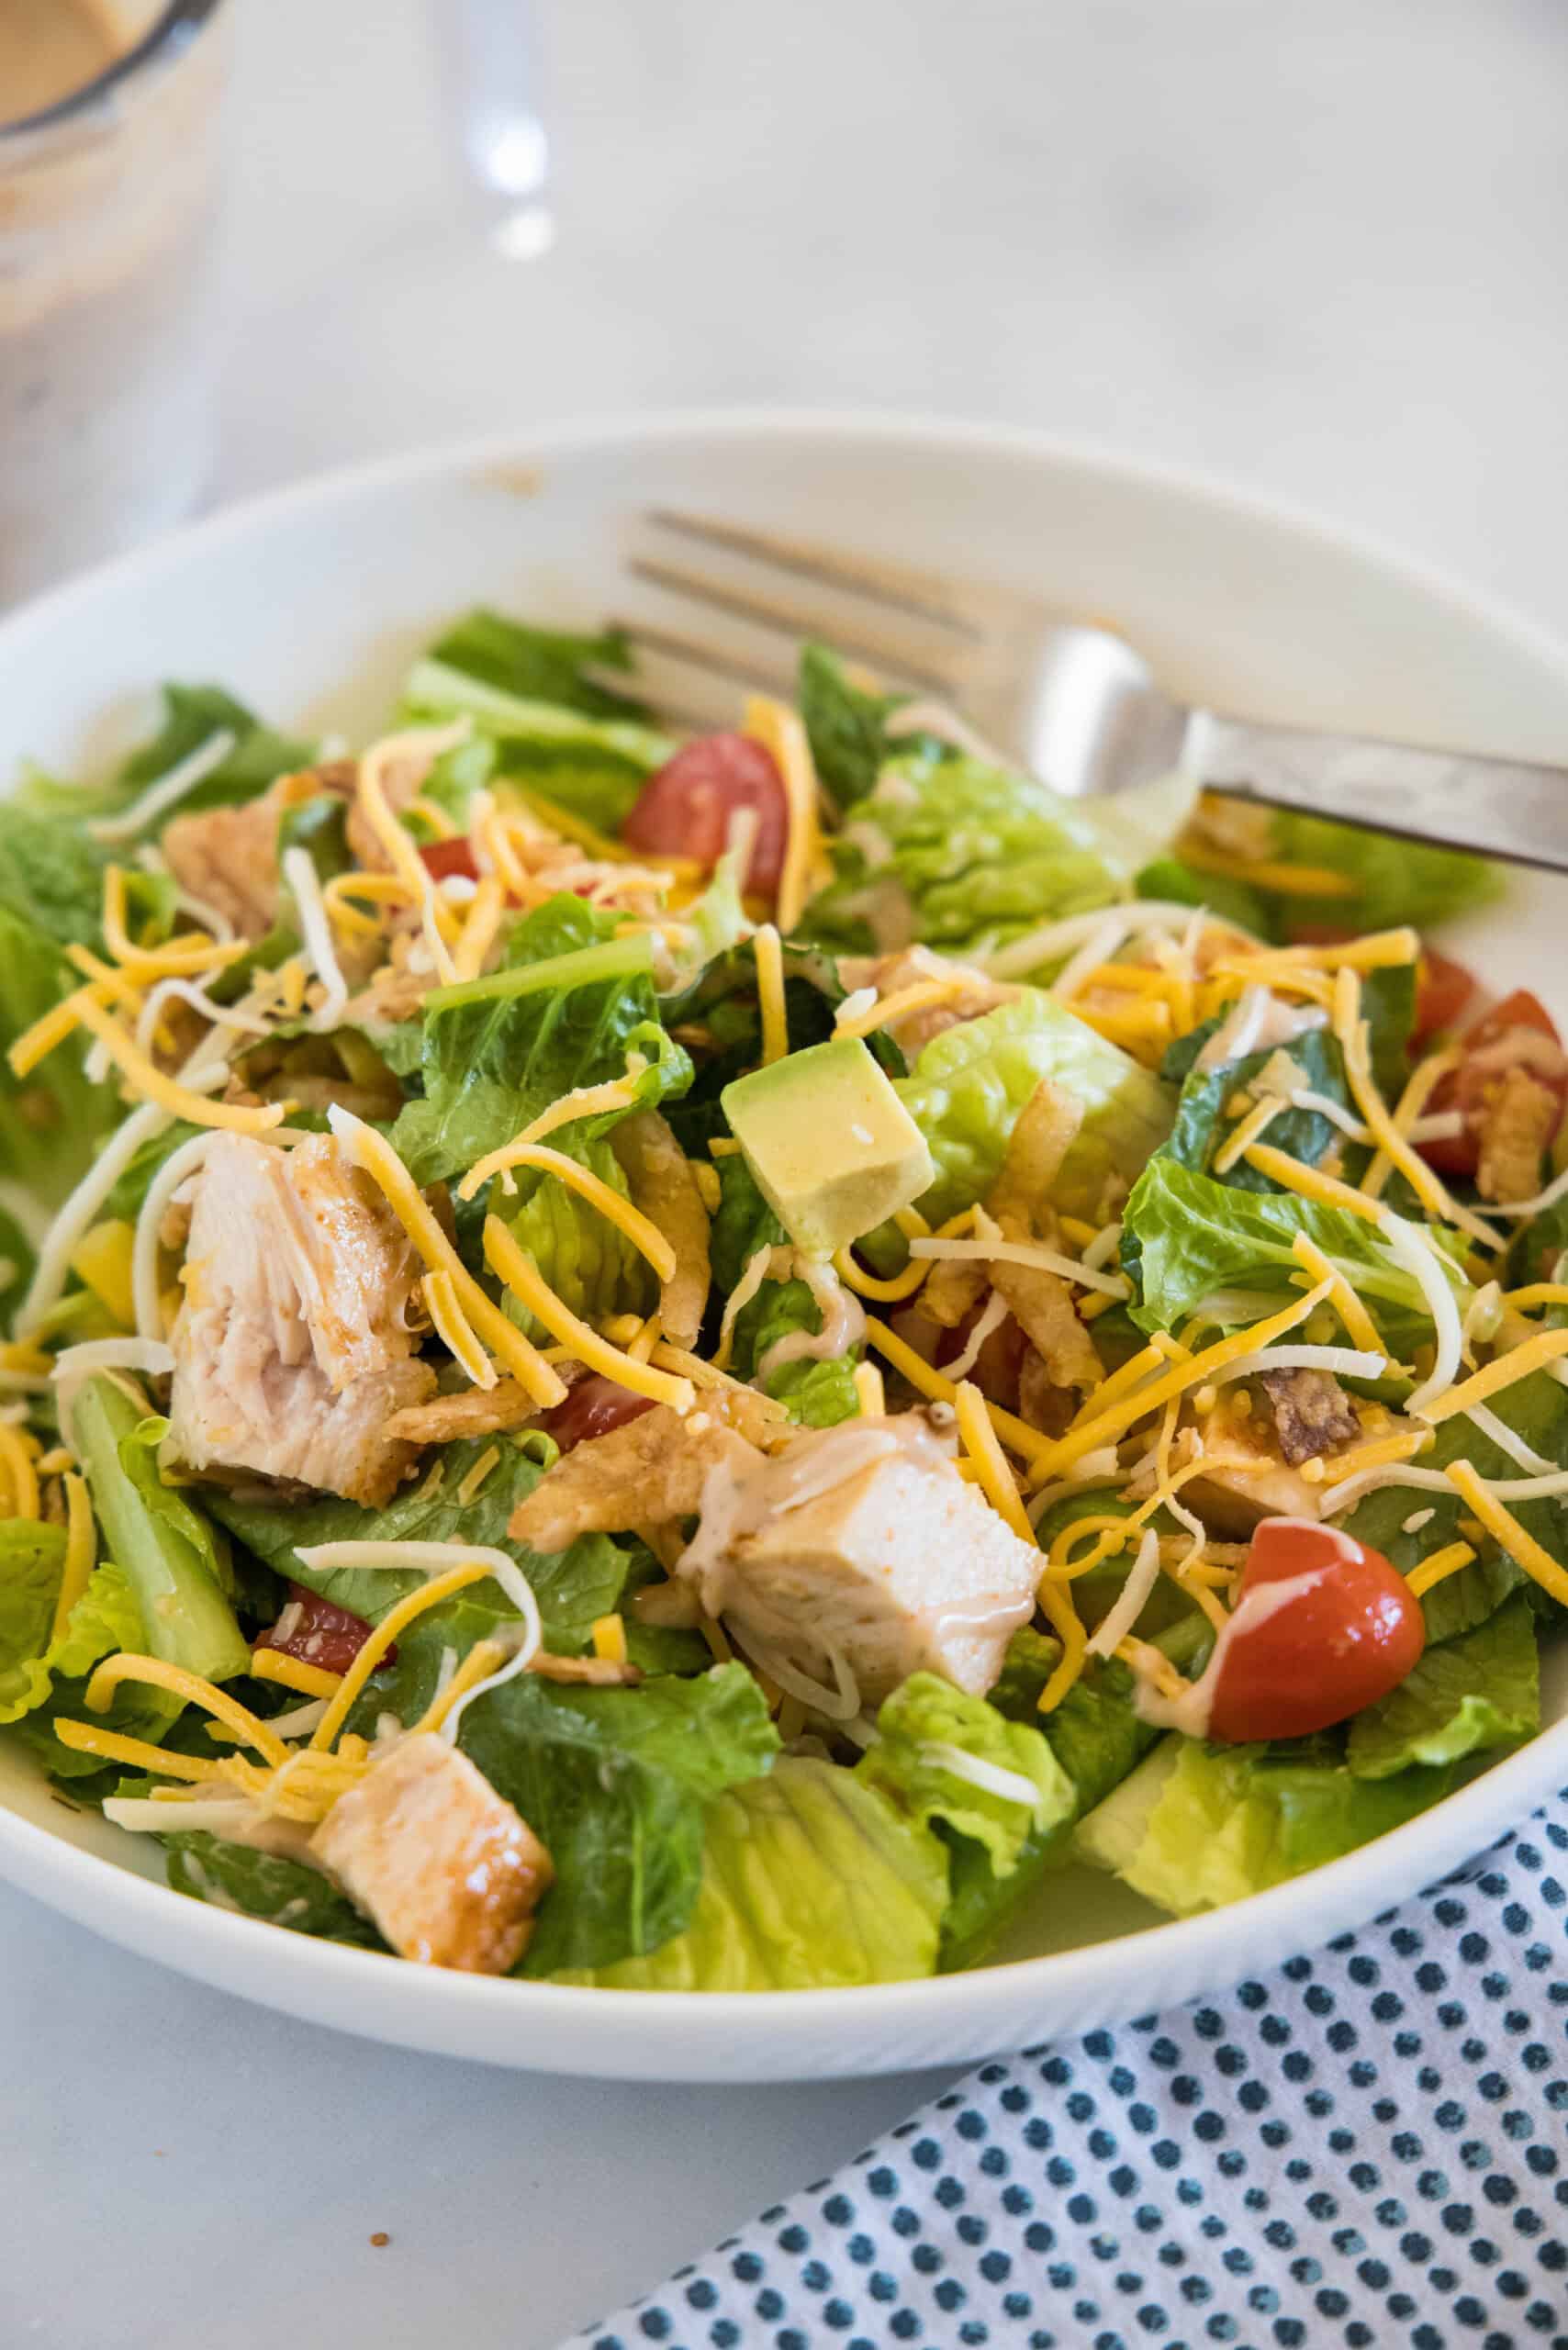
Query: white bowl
point(309, 604)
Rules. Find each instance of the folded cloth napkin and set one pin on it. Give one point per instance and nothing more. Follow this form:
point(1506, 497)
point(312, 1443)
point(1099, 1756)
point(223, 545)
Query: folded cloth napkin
point(1368, 2146)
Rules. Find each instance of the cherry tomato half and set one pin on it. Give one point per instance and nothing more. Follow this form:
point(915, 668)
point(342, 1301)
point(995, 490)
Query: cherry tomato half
point(685, 809)
point(1519, 1032)
point(1443, 989)
point(317, 1632)
point(441, 859)
point(592, 1408)
point(1349, 1636)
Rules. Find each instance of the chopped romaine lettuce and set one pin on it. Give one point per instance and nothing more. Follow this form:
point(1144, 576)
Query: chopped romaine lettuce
point(1196, 1826)
point(587, 1262)
point(977, 857)
point(520, 663)
point(191, 716)
point(970, 1083)
point(1396, 880)
point(928, 1732)
point(266, 1884)
point(1463, 1696)
point(617, 1783)
point(811, 1881)
point(567, 1005)
point(175, 1564)
point(1535, 1409)
point(573, 1586)
point(818, 1391)
point(1187, 1238)
point(53, 1120)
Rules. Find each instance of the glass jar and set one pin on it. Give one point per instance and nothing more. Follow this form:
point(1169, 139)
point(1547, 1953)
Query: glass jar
point(107, 200)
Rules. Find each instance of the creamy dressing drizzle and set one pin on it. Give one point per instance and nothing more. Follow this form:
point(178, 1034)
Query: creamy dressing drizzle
point(1190, 1713)
point(842, 1322)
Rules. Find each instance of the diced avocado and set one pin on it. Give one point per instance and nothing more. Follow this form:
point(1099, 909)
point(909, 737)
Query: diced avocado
point(833, 1150)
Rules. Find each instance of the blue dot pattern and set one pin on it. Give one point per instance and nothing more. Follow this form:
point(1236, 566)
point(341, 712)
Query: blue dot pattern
point(1369, 2148)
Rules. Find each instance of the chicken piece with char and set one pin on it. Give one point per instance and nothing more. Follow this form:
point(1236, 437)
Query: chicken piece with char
point(291, 1348)
point(441, 1864)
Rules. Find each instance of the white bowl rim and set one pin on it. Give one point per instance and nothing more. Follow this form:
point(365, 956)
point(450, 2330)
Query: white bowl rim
point(1306, 1910)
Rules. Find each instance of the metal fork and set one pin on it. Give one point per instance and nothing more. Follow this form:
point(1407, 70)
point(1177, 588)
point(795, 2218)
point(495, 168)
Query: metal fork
point(1071, 702)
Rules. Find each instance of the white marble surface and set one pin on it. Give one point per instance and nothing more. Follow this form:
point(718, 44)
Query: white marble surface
point(1319, 250)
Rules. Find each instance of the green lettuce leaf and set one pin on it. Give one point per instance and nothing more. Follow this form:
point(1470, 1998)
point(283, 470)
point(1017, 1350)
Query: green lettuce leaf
point(168, 1551)
point(36, 1690)
point(191, 716)
point(495, 661)
point(1196, 1826)
point(979, 855)
point(844, 725)
point(573, 1586)
point(1463, 1696)
point(265, 1885)
point(31, 1557)
point(52, 878)
point(818, 1392)
point(1169, 878)
point(1396, 880)
point(928, 1722)
point(1193, 1239)
point(970, 1083)
point(53, 1120)
point(1535, 1409)
point(1096, 1738)
point(588, 1261)
point(565, 1010)
point(811, 1881)
point(617, 1783)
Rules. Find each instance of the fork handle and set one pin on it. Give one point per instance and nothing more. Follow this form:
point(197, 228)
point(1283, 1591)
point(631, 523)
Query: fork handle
point(1506, 808)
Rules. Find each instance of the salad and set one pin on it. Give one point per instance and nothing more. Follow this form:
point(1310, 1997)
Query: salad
point(689, 1364)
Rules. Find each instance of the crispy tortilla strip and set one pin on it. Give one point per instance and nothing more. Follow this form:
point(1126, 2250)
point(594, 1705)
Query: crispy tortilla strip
point(590, 1672)
point(1041, 1301)
point(663, 1186)
point(647, 1470)
point(475, 1410)
point(951, 1291)
point(1045, 1131)
point(1041, 1401)
point(1516, 1128)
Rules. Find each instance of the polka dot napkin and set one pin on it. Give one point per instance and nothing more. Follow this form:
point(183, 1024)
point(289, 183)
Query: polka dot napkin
point(1370, 2147)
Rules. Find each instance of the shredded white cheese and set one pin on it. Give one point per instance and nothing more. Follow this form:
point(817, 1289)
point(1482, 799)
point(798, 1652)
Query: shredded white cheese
point(172, 785)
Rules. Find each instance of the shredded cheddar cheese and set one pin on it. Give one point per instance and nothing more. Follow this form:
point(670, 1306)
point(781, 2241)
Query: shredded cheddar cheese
point(1535, 1354)
point(770, 994)
point(1310, 1182)
point(639, 1229)
point(383, 1635)
point(1016, 1434)
point(1438, 1568)
point(1504, 1527)
point(1110, 1422)
point(147, 1080)
point(386, 1170)
point(81, 1551)
point(1359, 1328)
point(455, 1330)
point(919, 996)
point(776, 727)
point(87, 1738)
point(516, 1269)
point(190, 1686)
point(294, 1672)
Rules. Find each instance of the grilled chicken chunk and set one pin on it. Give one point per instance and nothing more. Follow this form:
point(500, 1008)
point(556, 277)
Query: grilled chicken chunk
point(644, 1472)
point(291, 1350)
point(437, 1859)
point(861, 1544)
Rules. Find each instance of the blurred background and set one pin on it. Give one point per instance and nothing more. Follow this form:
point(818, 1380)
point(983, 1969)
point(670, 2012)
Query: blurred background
point(1316, 250)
